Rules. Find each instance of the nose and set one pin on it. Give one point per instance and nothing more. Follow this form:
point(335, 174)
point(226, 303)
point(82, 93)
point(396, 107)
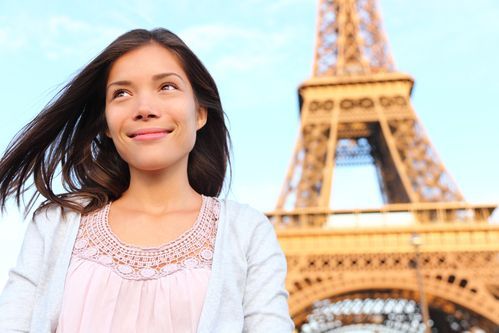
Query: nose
point(146, 110)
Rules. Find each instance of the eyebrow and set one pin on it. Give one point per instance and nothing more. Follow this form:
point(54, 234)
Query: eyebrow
point(155, 77)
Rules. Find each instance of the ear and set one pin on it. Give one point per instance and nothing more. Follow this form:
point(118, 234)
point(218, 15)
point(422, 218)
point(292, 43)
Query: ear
point(202, 117)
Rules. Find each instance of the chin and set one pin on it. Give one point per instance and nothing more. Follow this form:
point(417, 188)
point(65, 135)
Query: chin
point(155, 165)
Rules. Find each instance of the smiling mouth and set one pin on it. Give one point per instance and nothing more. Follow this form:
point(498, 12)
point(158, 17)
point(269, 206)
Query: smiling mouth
point(149, 134)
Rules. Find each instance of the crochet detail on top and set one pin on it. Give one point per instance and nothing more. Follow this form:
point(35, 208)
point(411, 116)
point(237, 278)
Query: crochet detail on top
point(193, 249)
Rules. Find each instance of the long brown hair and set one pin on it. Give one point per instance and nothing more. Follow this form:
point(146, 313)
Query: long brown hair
point(68, 136)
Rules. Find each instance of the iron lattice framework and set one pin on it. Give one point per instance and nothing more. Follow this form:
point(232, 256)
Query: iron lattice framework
point(356, 109)
point(349, 40)
point(355, 100)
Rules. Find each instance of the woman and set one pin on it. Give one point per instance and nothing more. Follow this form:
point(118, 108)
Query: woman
point(139, 242)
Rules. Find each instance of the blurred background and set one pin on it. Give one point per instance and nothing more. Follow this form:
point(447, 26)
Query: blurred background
point(259, 52)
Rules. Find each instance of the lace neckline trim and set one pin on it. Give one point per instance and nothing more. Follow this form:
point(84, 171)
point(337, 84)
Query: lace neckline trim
point(182, 237)
point(192, 249)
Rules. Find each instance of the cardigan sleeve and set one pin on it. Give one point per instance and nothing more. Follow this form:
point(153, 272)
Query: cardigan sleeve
point(265, 301)
point(18, 296)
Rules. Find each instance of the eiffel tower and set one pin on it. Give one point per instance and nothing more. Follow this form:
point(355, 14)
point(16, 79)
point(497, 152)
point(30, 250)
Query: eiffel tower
point(426, 259)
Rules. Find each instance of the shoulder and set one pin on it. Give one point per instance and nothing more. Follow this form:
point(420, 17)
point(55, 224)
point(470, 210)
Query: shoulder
point(243, 212)
point(48, 218)
point(47, 228)
point(243, 219)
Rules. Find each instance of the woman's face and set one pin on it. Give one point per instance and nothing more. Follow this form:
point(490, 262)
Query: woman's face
point(151, 111)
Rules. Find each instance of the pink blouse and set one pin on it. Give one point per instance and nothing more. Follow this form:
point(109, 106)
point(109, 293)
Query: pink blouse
point(115, 287)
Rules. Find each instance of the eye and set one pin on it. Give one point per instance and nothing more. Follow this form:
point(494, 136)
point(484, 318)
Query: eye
point(120, 93)
point(168, 86)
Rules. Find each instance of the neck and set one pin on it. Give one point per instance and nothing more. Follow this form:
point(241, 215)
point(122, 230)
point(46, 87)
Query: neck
point(161, 190)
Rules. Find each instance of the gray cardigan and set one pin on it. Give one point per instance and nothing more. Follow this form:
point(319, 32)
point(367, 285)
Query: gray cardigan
point(245, 293)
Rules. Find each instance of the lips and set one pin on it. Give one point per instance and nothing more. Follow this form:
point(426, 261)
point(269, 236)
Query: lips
point(149, 133)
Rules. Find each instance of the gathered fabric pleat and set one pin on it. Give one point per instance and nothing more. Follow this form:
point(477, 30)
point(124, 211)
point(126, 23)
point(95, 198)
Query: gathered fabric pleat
point(99, 300)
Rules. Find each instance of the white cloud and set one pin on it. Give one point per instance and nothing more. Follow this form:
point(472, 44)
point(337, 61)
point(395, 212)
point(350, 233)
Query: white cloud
point(8, 43)
point(235, 48)
point(58, 24)
point(208, 37)
point(240, 62)
point(56, 36)
point(277, 5)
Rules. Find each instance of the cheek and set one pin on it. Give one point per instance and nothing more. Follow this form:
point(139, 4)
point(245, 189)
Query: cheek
point(112, 123)
point(113, 133)
point(186, 115)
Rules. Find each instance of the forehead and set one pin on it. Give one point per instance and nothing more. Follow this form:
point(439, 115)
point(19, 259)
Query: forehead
point(144, 61)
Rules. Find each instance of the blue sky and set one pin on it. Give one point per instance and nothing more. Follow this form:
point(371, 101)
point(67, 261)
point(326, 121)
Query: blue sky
point(258, 52)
